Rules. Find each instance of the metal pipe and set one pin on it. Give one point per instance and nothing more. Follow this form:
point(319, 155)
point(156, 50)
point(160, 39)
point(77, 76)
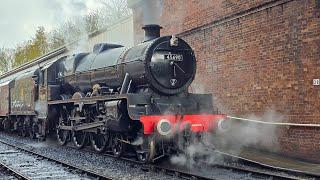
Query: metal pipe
point(125, 84)
point(274, 123)
point(129, 86)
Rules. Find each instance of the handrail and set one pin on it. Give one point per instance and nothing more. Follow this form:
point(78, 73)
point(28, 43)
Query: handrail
point(274, 123)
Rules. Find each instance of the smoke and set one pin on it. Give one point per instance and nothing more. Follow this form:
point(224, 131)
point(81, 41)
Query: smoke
point(180, 159)
point(197, 154)
point(71, 15)
point(137, 141)
point(249, 134)
point(18, 25)
point(239, 136)
point(197, 88)
point(151, 11)
point(69, 10)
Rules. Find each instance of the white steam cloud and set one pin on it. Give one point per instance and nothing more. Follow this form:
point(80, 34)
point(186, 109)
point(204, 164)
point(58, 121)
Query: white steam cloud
point(74, 11)
point(249, 134)
point(151, 11)
point(198, 153)
point(239, 136)
point(20, 19)
point(197, 88)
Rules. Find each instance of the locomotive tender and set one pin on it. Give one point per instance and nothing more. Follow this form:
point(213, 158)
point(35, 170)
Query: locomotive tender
point(120, 99)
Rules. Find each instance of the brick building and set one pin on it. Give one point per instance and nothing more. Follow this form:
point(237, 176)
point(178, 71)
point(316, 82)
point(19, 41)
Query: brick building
point(253, 55)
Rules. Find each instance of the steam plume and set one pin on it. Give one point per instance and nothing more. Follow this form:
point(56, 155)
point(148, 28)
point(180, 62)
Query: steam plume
point(152, 11)
point(241, 135)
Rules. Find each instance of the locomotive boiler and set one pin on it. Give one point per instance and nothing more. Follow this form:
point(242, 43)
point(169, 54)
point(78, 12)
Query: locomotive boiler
point(123, 99)
point(166, 65)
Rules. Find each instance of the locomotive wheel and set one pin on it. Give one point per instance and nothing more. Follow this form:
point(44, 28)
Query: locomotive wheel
point(1, 125)
point(24, 132)
point(79, 139)
point(99, 141)
point(19, 127)
point(117, 145)
point(32, 134)
point(25, 127)
point(32, 131)
point(62, 136)
point(6, 124)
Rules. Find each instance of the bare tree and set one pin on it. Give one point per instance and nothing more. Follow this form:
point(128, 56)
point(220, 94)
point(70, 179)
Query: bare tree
point(113, 11)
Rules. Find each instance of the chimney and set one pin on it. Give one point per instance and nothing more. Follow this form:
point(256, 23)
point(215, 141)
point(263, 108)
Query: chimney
point(151, 31)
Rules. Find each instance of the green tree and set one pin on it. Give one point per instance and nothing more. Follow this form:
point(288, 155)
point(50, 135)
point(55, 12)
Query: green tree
point(39, 44)
point(31, 49)
point(19, 55)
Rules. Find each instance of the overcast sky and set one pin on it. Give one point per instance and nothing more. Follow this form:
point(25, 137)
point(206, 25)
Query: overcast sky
point(19, 19)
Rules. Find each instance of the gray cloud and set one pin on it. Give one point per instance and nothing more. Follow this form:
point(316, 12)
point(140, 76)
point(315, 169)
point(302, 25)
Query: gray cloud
point(20, 19)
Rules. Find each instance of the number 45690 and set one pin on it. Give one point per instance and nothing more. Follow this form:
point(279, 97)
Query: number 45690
point(316, 82)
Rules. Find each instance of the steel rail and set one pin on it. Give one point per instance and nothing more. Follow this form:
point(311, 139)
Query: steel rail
point(14, 172)
point(188, 175)
point(152, 167)
point(258, 172)
point(287, 170)
point(180, 173)
point(177, 172)
point(87, 171)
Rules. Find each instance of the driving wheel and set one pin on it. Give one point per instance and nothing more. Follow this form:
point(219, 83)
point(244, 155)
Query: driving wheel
point(99, 141)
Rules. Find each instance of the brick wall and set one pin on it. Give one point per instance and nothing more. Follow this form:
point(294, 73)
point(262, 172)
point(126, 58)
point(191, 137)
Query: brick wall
point(254, 55)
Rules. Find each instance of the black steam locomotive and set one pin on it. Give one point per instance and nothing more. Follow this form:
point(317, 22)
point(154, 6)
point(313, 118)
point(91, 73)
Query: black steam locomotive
point(116, 98)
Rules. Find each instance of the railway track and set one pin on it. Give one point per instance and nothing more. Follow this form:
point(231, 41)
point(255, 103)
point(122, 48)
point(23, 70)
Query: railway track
point(258, 173)
point(292, 171)
point(268, 170)
point(163, 167)
point(17, 172)
point(186, 174)
point(153, 167)
point(26, 164)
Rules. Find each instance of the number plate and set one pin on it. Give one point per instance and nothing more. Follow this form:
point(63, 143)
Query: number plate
point(173, 57)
